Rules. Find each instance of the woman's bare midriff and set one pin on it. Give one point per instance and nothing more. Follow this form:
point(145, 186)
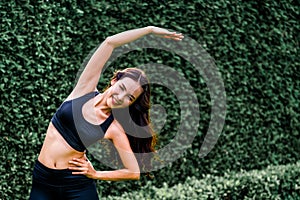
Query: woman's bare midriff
point(56, 152)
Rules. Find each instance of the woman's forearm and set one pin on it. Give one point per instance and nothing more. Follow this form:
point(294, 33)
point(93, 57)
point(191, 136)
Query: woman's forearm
point(128, 36)
point(117, 175)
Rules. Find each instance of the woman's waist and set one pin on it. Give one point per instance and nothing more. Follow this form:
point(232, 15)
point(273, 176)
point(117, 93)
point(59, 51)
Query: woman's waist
point(56, 152)
point(62, 178)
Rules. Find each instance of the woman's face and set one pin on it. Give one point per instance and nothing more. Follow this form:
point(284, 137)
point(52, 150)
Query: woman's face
point(123, 93)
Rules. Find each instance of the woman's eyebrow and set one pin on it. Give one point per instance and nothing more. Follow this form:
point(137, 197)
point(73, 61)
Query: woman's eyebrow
point(123, 86)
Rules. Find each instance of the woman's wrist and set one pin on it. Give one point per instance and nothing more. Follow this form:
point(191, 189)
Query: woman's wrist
point(150, 29)
point(95, 175)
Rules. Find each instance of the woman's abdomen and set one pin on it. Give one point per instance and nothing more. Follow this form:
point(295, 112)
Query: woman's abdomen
point(56, 152)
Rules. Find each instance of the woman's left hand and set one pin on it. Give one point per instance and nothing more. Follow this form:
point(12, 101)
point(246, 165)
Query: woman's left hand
point(164, 33)
point(82, 166)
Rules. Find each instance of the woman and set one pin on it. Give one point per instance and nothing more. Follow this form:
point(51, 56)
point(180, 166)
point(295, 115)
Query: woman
point(62, 170)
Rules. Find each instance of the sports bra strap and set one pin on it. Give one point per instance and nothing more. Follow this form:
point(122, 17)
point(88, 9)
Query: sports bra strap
point(107, 123)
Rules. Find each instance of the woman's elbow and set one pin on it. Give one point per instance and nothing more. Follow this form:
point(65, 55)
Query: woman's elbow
point(109, 41)
point(135, 176)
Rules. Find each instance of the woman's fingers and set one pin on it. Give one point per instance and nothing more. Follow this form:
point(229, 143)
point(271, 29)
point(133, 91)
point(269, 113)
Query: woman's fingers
point(164, 33)
point(78, 160)
point(78, 173)
point(82, 166)
point(174, 36)
point(74, 163)
point(79, 165)
point(79, 170)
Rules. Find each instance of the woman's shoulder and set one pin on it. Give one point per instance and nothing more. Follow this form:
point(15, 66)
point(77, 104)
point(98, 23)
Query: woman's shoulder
point(114, 130)
point(78, 95)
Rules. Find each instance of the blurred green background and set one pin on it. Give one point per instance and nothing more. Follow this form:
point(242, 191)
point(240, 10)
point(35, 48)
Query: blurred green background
point(255, 45)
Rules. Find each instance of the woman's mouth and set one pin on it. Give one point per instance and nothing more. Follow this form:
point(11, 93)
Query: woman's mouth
point(114, 101)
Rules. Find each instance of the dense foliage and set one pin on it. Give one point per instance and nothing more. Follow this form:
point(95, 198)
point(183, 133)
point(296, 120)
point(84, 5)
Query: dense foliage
point(279, 182)
point(255, 45)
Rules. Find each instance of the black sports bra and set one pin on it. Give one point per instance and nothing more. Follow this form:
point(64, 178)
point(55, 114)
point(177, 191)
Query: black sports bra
point(70, 123)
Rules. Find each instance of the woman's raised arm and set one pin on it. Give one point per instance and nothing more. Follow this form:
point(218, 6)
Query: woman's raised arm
point(89, 78)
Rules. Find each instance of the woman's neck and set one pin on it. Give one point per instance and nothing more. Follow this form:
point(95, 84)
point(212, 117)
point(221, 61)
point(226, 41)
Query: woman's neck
point(101, 103)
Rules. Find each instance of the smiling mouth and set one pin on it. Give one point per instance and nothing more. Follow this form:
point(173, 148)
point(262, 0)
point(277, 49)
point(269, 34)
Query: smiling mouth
point(115, 101)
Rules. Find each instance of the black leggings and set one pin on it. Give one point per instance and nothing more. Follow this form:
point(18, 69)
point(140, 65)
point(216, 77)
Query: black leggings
point(53, 184)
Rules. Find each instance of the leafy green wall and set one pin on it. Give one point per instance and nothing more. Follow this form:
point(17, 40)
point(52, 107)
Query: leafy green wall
point(255, 45)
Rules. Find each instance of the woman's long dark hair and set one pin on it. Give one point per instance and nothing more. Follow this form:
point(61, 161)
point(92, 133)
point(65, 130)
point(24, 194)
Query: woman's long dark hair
point(135, 119)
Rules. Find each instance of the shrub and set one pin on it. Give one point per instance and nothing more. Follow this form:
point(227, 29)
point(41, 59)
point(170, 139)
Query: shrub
point(274, 182)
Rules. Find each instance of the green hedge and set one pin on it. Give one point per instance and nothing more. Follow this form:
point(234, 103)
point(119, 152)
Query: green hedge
point(255, 46)
point(276, 182)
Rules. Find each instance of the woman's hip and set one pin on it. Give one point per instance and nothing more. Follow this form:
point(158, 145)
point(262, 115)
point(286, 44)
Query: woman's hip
point(58, 177)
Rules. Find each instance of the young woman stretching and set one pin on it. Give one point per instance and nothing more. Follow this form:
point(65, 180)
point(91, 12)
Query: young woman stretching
point(62, 170)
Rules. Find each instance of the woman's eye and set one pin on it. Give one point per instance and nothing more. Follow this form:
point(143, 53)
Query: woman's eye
point(130, 98)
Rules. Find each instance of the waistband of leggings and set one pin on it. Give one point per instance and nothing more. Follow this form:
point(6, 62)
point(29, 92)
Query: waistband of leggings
point(58, 177)
point(41, 166)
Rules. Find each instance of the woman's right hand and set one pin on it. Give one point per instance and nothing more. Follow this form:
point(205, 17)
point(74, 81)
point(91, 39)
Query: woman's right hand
point(164, 33)
point(82, 166)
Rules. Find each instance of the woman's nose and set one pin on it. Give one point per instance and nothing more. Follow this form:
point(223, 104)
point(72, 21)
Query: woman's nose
point(121, 97)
